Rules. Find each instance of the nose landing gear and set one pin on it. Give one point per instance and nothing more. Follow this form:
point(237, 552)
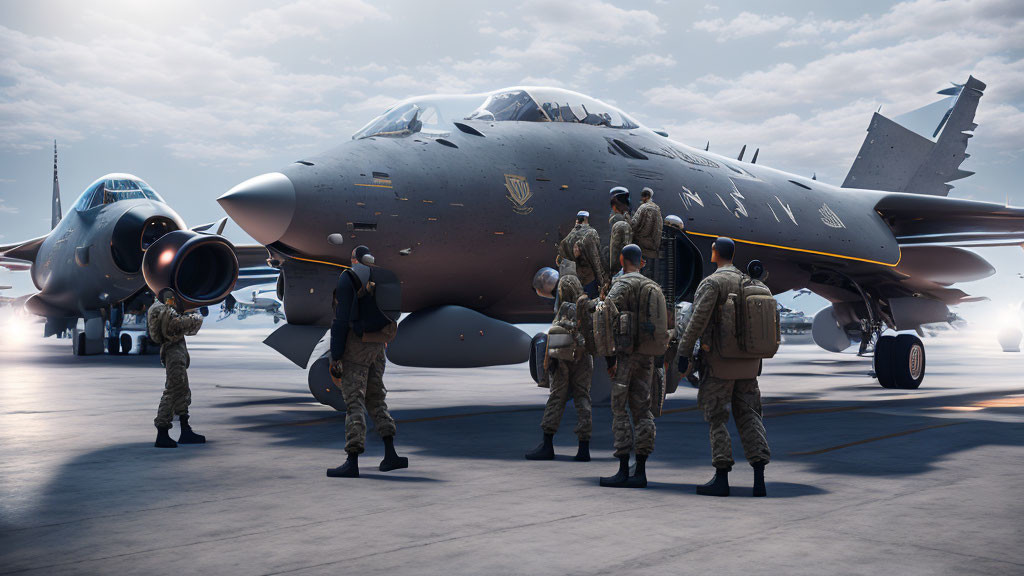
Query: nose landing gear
point(899, 361)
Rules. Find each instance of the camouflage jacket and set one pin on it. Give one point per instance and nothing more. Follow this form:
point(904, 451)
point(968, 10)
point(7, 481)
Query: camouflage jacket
point(647, 223)
point(711, 294)
point(589, 265)
point(620, 237)
point(166, 326)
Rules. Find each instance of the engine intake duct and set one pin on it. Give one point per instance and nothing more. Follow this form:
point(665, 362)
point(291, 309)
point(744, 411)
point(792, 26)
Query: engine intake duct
point(201, 269)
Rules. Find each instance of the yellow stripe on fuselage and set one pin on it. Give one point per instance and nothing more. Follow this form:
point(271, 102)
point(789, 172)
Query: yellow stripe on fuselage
point(804, 250)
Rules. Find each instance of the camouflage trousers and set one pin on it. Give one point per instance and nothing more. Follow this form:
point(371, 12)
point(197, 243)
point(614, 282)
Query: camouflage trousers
point(177, 396)
point(362, 387)
point(714, 397)
point(570, 378)
point(631, 388)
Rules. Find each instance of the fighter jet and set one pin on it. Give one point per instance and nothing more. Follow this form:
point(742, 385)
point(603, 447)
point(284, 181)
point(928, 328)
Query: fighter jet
point(258, 305)
point(119, 245)
point(465, 197)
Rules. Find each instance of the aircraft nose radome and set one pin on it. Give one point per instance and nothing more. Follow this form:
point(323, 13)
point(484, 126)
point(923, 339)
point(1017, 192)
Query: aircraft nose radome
point(263, 206)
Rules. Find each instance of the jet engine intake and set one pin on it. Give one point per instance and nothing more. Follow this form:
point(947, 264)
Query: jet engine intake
point(201, 268)
point(133, 234)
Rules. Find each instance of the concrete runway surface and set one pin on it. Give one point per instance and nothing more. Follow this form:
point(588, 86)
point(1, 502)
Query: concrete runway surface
point(863, 481)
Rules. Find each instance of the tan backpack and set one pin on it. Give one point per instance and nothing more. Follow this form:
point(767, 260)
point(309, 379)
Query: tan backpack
point(748, 324)
point(585, 322)
point(606, 320)
point(562, 342)
point(652, 334)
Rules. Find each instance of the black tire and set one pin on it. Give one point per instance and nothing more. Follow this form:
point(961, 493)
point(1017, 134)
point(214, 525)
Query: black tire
point(113, 346)
point(126, 343)
point(883, 361)
point(908, 362)
point(538, 347)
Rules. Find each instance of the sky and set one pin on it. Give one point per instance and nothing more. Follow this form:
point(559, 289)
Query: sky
point(196, 96)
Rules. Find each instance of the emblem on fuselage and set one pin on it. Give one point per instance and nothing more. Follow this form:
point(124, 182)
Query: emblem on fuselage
point(518, 193)
point(830, 218)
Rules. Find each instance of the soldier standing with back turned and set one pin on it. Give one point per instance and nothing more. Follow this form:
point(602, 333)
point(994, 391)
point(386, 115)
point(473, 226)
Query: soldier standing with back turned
point(631, 383)
point(621, 229)
point(168, 328)
point(646, 224)
point(582, 245)
point(725, 381)
point(570, 376)
point(358, 361)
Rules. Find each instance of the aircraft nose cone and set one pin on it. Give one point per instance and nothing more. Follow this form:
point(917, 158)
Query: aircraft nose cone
point(263, 206)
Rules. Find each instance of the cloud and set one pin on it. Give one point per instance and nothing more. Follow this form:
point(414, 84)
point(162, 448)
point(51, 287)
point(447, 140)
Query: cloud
point(637, 62)
point(812, 115)
point(5, 209)
point(306, 18)
point(743, 25)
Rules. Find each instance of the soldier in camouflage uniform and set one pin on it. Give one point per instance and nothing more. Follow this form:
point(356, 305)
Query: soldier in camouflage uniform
point(725, 381)
point(359, 366)
point(621, 228)
point(646, 224)
point(568, 378)
point(582, 245)
point(631, 384)
point(168, 328)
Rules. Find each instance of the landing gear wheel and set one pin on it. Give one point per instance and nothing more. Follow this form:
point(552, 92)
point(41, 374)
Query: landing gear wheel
point(113, 346)
point(908, 362)
point(883, 361)
point(538, 349)
point(899, 361)
point(126, 343)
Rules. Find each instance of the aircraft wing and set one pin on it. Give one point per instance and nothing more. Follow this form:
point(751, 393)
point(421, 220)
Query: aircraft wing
point(918, 219)
point(25, 250)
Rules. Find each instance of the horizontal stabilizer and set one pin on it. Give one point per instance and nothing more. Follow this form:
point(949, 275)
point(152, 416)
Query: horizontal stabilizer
point(921, 219)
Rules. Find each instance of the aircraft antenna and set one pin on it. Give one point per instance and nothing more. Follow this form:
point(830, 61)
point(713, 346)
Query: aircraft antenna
point(742, 152)
point(57, 213)
point(754, 161)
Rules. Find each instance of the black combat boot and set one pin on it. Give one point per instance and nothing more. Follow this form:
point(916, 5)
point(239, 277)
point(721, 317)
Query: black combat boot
point(163, 438)
point(544, 451)
point(621, 477)
point(717, 486)
point(583, 453)
point(639, 477)
point(392, 461)
point(759, 489)
point(187, 435)
point(350, 469)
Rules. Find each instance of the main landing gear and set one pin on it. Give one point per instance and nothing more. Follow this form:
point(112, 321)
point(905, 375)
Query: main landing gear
point(899, 361)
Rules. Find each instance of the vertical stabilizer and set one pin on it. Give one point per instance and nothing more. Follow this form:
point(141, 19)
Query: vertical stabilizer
point(57, 213)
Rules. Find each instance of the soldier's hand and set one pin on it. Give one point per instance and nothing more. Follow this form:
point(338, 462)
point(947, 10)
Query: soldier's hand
point(335, 368)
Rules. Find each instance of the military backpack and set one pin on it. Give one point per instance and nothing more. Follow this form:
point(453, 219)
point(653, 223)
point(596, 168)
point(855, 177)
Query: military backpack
point(652, 334)
point(562, 336)
point(379, 302)
point(606, 320)
point(748, 325)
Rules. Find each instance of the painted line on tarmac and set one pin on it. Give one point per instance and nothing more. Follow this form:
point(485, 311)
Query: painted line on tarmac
point(875, 439)
point(467, 415)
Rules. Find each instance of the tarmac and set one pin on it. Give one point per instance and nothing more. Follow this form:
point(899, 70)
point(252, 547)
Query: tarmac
point(863, 480)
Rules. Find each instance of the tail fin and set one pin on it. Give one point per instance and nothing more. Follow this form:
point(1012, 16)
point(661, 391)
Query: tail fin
point(896, 159)
point(57, 213)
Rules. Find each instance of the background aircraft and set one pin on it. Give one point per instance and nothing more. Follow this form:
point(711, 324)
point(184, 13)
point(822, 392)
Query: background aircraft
point(258, 305)
point(118, 245)
point(464, 197)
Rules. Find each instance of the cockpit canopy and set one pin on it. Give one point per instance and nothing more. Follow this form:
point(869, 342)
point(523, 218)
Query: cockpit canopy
point(433, 116)
point(114, 188)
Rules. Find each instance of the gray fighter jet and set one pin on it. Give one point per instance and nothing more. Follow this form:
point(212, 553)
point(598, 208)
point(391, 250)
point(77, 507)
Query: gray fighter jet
point(119, 245)
point(465, 197)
